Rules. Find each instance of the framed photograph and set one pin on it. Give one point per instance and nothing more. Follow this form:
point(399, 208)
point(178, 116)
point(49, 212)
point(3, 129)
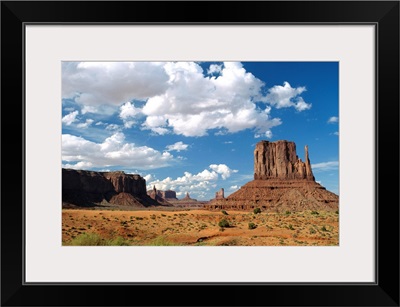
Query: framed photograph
point(246, 157)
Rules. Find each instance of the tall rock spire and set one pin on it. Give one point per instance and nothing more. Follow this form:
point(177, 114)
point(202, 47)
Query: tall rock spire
point(309, 173)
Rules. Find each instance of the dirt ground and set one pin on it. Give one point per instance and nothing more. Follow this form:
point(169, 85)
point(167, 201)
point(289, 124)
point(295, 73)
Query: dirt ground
point(201, 227)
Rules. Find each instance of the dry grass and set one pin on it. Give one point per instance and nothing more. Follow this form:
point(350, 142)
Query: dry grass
point(201, 227)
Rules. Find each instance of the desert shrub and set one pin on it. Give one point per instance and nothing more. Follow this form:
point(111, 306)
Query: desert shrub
point(161, 241)
point(224, 212)
point(287, 212)
point(314, 212)
point(291, 227)
point(223, 223)
point(252, 225)
point(337, 211)
point(257, 211)
point(323, 228)
point(93, 239)
point(312, 230)
point(119, 241)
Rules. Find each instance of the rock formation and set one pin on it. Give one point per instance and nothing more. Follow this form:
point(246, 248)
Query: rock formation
point(279, 160)
point(220, 194)
point(166, 195)
point(188, 198)
point(89, 188)
point(282, 181)
point(163, 197)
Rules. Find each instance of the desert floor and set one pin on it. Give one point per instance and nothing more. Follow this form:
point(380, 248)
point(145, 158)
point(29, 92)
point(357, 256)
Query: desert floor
point(200, 227)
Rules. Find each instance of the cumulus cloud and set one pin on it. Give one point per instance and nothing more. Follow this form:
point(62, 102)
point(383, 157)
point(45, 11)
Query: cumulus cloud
point(333, 120)
point(286, 96)
point(112, 83)
point(234, 187)
point(223, 170)
point(128, 112)
point(267, 134)
point(214, 69)
point(80, 153)
point(113, 127)
point(86, 124)
point(70, 118)
point(178, 146)
point(325, 166)
point(179, 97)
point(196, 184)
point(194, 103)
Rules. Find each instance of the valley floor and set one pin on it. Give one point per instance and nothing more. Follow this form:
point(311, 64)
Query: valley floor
point(199, 227)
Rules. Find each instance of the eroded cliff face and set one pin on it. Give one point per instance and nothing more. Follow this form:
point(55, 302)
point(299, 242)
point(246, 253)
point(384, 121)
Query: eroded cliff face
point(279, 160)
point(88, 188)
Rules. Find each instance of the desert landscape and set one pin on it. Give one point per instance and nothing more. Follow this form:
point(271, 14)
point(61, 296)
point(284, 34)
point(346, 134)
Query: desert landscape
point(199, 228)
point(282, 206)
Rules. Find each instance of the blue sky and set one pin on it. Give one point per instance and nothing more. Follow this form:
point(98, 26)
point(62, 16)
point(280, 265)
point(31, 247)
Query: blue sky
point(192, 126)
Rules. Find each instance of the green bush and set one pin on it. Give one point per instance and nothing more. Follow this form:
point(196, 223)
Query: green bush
point(314, 212)
point(223, 223)
point(257, 211)
point(291, 227)
point(252, 225)
point(161, 241)
point(93, 239)
point(323, 228)
point(287, 212)
point(224, 212)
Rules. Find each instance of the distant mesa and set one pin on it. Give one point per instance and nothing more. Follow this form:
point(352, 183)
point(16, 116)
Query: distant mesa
point(163, 197)
point(81, 188)
point(282, 181)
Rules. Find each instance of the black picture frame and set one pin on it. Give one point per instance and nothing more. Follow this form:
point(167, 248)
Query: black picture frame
point(383, 14)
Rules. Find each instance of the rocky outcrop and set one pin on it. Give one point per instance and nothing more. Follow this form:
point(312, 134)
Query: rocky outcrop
point(188, 198)
point(165, 195)
point(220, 194)
point(282, 181)
point(89, 188)
point(278, 160)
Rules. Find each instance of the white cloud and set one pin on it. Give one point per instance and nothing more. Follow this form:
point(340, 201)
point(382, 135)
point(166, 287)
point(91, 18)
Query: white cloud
point(178, 146)
point(267, 134)
point(128, 112)
point(333, 119)
point(286, 96)
point(228, 142)
point(112, 83)
point(194, 103)
point(148, 177)
point(336, 133)
point(223, 169)
point(234, 187)
point(86, 124)
point(178, 97)
point(199, 184)
point(325, 166)
point(301, 105)
point(70, 118)
point(100, 123)
point(113, 127)
point(214, 69)
point(80, 153)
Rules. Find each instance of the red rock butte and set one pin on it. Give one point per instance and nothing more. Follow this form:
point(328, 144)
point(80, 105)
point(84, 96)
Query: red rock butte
point(282, 181)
